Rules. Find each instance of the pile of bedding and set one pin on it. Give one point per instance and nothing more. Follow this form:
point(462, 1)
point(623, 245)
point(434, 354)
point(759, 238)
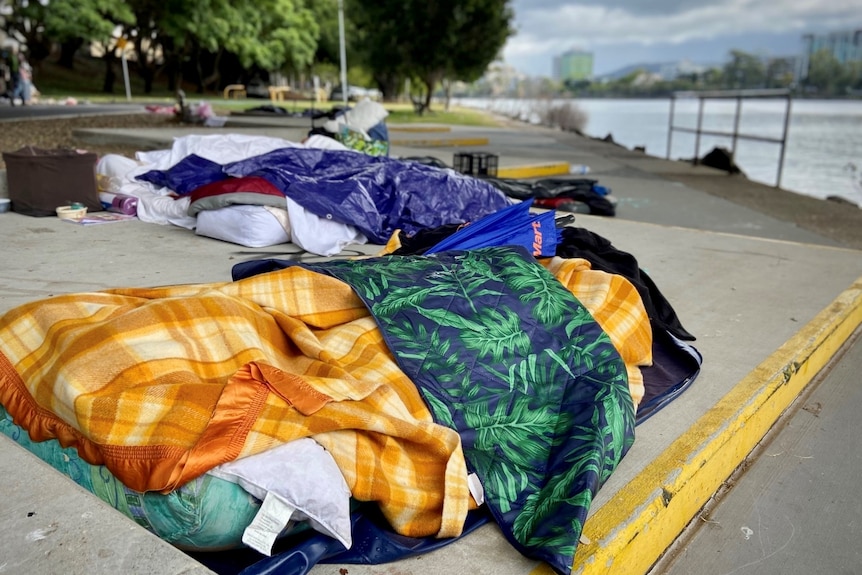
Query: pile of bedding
point(431, 387)
point(258, 191)
point(301, 408)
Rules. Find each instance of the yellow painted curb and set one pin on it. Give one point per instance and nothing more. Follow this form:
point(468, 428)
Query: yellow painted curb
point(534, 171)
point(420, 129)
point(631, 532)
point(441, 143)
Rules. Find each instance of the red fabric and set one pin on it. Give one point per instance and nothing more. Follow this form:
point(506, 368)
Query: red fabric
point(247, 190)
point(249, 184)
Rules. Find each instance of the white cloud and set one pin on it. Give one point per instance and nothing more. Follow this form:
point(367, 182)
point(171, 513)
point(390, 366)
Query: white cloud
point(545, 27)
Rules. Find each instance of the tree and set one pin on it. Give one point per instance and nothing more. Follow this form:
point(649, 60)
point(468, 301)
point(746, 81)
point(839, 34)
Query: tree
point(268, 34)
point(480, 32)
point(69, 23)
point(779, 72)
point(328, 42)
point(854, 75)
point(26, 20)
point(73, 23)
point(431, 40)
point(379, 33)
point(712, 78)
point(744, 70)
point(826, 74)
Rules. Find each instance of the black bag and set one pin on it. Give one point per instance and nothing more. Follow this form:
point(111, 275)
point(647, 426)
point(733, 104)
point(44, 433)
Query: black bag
point(39, 181)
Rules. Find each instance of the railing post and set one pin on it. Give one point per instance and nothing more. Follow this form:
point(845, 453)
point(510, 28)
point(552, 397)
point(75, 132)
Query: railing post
point(670, 124)
point(783, 141)
point(739, 96)
point(736, 117)
point(699, 128)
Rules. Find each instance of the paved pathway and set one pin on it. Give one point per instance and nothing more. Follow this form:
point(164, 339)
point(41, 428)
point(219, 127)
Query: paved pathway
point(42, 111)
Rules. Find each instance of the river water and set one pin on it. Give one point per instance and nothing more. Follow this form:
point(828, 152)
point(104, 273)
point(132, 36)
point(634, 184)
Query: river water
point(824, 145)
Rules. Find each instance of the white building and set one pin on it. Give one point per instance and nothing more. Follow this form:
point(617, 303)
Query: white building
point(845, 46)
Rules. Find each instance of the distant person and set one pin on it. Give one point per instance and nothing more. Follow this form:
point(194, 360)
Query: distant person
point(23, 84)
point(5, 84)
point(8, 72)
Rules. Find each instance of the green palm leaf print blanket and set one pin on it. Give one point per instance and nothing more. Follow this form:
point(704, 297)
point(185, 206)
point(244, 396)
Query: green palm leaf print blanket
point(503, 353)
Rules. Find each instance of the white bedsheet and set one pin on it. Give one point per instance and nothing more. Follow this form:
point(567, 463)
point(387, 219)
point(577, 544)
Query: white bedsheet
point(160, 206)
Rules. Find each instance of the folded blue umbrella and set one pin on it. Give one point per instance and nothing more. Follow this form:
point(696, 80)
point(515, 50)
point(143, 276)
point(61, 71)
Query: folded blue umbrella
point(513, 225)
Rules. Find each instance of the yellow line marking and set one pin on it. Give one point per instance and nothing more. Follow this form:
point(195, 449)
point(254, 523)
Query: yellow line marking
point(420, 129)
point(447, 142)
point(630, 532)
point(534, 171)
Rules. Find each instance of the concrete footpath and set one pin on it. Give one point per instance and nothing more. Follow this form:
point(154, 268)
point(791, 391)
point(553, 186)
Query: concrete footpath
point(770, 303)
point(795, 509)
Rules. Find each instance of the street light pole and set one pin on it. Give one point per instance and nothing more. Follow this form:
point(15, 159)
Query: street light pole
point(343, 50)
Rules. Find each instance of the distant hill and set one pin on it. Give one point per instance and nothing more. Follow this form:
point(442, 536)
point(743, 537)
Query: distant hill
point(667, 70)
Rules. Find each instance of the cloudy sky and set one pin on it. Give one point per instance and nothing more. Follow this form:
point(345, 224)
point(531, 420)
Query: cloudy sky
point(624, 32)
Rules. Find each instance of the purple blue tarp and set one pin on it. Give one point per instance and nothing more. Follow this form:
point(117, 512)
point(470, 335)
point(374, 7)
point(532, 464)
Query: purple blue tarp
point(377, 195)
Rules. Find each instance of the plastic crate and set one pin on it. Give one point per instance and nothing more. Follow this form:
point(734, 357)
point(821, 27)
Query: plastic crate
point(476, 163)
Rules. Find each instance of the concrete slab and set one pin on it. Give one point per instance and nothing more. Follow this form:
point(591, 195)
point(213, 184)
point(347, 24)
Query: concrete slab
point(650, 200)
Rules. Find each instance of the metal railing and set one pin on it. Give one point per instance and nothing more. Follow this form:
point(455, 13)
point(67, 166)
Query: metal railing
point(739, 96)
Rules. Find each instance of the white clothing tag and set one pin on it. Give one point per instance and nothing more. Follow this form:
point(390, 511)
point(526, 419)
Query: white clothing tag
point(271, 519)
point(476, 489)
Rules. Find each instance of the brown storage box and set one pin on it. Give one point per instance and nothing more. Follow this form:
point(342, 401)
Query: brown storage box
point(41, 180)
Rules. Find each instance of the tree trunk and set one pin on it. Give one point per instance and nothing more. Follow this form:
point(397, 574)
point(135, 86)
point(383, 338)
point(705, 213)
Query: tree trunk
point(110, 75)
point(173, 70)
point(429, 93)
point(388, 86)
point(68, 49)
point(420, 103)
point(148, 80)
point(199, 71)
point(214, 80)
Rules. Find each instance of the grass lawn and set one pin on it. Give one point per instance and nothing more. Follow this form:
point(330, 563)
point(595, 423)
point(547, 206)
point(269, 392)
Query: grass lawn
point(85, 85)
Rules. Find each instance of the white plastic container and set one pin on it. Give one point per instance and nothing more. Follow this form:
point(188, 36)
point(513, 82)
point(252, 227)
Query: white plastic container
point(71, 212)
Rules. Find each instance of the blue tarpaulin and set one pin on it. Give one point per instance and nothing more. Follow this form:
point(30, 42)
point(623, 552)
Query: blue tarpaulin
point(187, 175)
point(378, 195)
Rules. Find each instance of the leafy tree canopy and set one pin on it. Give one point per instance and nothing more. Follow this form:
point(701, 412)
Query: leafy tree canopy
point(269, 34)
point(265, 33)
point(431, 40)
point(90, 19)
point(826, 73)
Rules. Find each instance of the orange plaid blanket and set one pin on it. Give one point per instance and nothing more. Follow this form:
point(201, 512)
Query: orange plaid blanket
point(162, 384)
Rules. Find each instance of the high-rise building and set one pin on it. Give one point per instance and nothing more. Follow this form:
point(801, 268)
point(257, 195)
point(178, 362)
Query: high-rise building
point(573, 65)
point(845, 46)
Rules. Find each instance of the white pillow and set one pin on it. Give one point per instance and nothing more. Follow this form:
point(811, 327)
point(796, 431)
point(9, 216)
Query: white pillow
point(298, 481)
point(250, 226)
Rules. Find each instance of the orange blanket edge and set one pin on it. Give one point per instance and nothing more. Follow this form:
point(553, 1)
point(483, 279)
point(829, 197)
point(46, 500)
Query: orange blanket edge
point(142, 468)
